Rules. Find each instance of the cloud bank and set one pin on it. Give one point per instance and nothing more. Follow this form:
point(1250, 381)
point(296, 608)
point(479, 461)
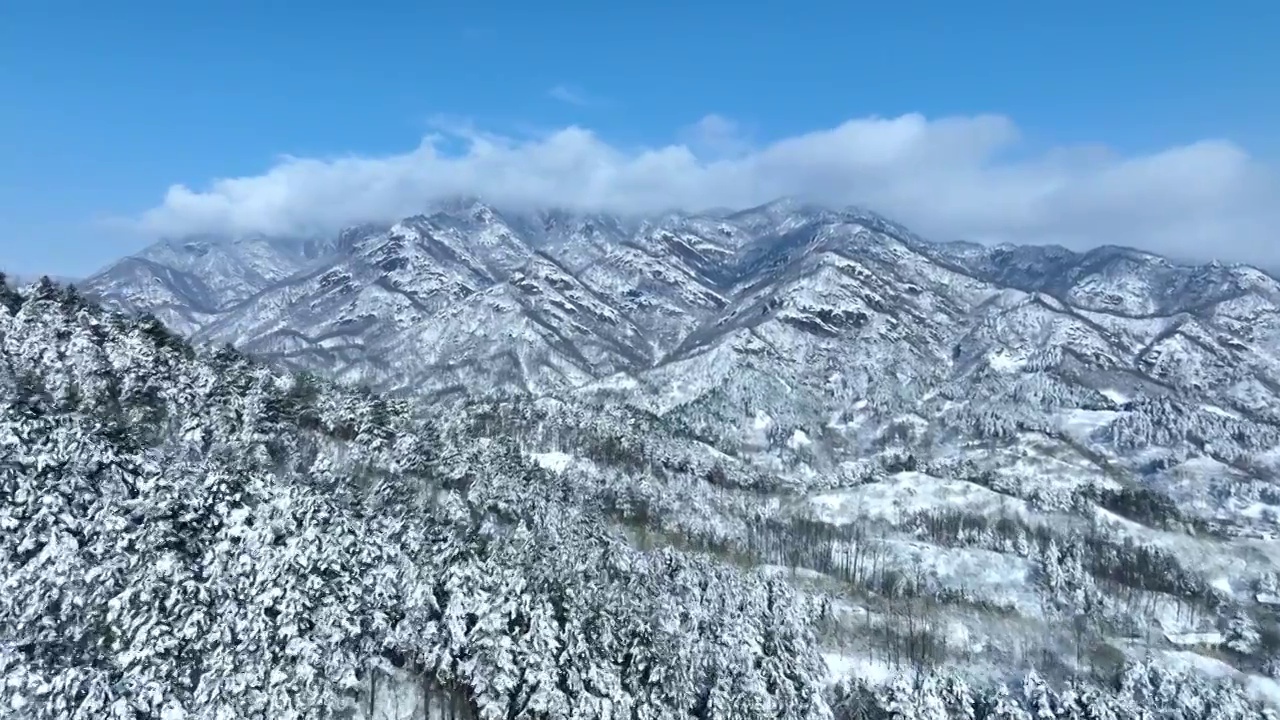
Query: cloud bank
point(947, 178)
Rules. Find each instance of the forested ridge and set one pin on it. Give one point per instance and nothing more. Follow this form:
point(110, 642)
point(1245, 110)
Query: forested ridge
point(191, 533)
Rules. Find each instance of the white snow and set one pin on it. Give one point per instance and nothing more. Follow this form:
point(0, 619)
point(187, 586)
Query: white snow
point(1262, 688)
point(1195, 638)
point(1006, 362)
point(1005, 580)
point(905, 493)
point(758, 432)
point(1187, 660)
point(1220, 412)
point(782, 570)
point(840, 666)
point(554, 461)
point(802, 379)
point(1082, 423)
point(1115, 396)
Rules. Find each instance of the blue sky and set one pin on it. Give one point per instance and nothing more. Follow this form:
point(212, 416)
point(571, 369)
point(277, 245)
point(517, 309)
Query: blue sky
point(106, 105)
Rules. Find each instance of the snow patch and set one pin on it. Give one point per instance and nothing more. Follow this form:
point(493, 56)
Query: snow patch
point(1115, 396)
point(1082, 423)
point(841, 666)
point(1220, 412)
point(903, 494)
point(1191, 639)
point(1222, 583)
point(800, 572)
point(1261, 688)
point(1005, 362)
point(798, 440)
point(556, 461)
point(758, 431)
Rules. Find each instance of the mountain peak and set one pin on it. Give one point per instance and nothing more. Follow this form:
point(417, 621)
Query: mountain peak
point(787, 205)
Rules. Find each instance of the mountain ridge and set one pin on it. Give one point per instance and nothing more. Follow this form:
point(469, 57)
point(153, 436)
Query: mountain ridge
point(683, 274)
point(759, 327)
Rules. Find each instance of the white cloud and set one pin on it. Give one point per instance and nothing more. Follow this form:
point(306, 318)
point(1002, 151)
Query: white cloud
point(947, 178)
point(570, 95)
point(716, 136)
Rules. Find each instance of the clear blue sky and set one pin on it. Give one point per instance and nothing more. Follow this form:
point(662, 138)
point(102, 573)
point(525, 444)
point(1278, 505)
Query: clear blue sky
point(105, 104)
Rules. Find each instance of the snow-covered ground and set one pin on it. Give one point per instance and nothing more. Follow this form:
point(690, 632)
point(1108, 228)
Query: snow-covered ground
point(554, 461)
point(905, 493)
point(1262, 688)
point(841, 666)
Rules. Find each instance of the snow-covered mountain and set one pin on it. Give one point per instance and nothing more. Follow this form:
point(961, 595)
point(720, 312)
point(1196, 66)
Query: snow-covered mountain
point(873, 483)
point(822, 344)
point(1030, 455)
point(552, 301)
point(831, 325)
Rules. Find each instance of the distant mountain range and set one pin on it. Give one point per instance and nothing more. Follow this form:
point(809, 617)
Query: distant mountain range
point(794, 310)
point(815, 340)
point(551, 301)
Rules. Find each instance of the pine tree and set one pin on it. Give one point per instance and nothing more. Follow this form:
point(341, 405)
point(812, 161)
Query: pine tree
point(1242, 633)
point(1038, 698)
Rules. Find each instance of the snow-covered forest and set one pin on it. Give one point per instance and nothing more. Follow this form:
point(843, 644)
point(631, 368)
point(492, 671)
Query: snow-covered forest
point(196, 535)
